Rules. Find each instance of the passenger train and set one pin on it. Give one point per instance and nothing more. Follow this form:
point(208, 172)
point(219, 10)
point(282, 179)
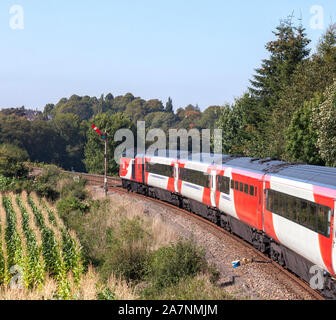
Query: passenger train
point(285, 210)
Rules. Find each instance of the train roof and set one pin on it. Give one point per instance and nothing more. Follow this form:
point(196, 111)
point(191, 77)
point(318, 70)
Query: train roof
point(324, 176)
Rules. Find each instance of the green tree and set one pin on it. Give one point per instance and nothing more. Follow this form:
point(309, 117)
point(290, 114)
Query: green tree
point(169, 106)
point(94, 149)
point(324, 120)
point(286, 52)
point(11, 161)
point(302, 135)
point(232, 124)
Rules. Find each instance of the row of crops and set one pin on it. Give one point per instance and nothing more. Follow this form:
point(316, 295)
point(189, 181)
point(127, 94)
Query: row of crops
point(35, 246)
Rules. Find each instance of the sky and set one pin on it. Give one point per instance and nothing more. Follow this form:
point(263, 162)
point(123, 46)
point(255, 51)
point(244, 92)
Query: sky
point(194, 51)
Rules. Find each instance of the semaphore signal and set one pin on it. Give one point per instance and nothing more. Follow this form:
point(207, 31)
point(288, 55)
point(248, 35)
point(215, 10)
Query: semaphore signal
point(98, 131)
point(104, 137)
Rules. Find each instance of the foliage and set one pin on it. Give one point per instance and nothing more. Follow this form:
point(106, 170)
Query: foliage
point(70, 204)
point(324, 119)
point(286, 52)
point(170, 264)
point(94, 150)
point(231, 122)
point(302, 135)
point(127, 250)
point(192, 288)
point(11, 161)
point(35, 268)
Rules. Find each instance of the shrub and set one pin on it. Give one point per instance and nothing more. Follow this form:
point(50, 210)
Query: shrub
point(11, 161)
point(73, 188)
point(127, 251)
point(68, 205)
point(6, 184)
point(170, 264)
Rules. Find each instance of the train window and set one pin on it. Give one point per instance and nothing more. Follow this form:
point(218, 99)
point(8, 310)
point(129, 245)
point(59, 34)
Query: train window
point(309, 214)
point(255, 191)
point(291, 208)
point(304, 216)
point(269, 200)
point(241, 187)
point(312, 207)
point(160, 169)
point(322, 219)
point(251, 191)
point(282, 204)
point(246, 188)
point(232, 184)
point(195, 177)
point(298, 209)
point(236, 185)
point(223, 184)
point(276, 202)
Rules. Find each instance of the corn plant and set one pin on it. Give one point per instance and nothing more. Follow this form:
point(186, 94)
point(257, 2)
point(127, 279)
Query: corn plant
point(3, 275)
point(51, 215)
point(15, 256)
point(35, 269)
point(72, 255)
point(52, 254)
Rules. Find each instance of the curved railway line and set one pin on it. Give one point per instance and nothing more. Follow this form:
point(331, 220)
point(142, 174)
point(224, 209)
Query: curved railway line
point(114, 184)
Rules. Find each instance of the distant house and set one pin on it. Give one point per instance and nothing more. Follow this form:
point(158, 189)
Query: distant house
point(30, 115)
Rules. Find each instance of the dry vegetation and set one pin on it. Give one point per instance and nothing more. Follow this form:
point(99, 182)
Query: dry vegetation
point(90, 284)
point(79, 245)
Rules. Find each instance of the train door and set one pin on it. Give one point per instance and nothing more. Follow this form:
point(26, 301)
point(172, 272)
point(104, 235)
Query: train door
point(213, 188)
point(333, 235)
point(176, 168)
point(260, 207)
point(133, 168)
point(143, 170)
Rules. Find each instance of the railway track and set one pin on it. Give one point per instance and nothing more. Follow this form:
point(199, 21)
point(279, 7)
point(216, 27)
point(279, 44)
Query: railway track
point(114, 184)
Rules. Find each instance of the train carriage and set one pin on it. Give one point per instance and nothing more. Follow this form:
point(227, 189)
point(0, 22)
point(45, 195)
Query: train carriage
point(286, 210)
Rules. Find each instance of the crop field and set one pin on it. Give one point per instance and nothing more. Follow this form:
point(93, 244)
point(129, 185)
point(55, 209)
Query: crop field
point(39, 257)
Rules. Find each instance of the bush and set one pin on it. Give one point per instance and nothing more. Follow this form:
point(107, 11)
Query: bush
point(127, 251)
point(70, 204)
point(172, 263)
point(11, 161)
point(193, 288)
point(73, 188)
point(6, 184)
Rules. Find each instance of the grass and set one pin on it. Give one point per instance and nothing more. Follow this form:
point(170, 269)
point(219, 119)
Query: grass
point(106, 248)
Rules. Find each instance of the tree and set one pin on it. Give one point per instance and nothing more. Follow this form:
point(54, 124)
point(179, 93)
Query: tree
point(11, 161)
point(68, 127)
point(153, 105)
point(327, 45)
point(289, 49)
point(302, 135)
point(94, 149)
point(324, 120)
point(136, 110)
point(209, 117)
point(233, 127)
point(169, 106)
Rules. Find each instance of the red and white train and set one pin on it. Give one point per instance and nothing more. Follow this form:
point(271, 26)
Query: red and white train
point(285, 210)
